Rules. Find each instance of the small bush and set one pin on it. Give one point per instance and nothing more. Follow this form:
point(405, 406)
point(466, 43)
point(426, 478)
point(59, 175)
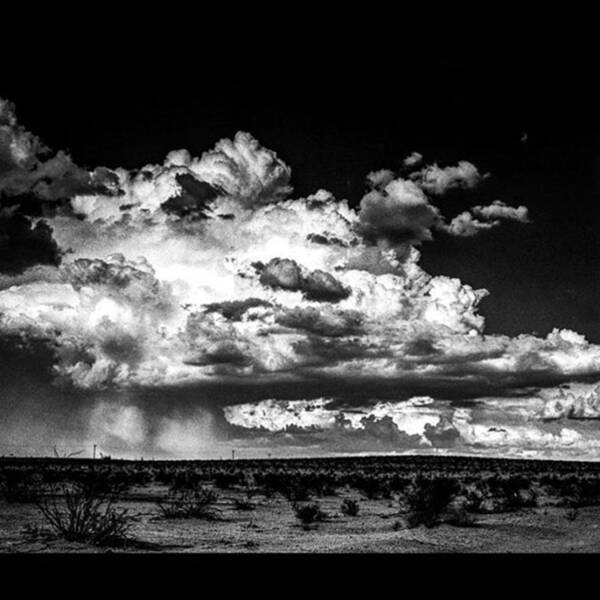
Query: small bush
point(187, 504)
point(350, 507)
point(457, 514)
point(372, 487)
point(83, 516)
point(522, 498)
point(103, 482)
point(427, 499)
point(309, 513)
point(297, 493)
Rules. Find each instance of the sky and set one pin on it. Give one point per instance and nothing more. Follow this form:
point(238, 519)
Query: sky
point(359, 257)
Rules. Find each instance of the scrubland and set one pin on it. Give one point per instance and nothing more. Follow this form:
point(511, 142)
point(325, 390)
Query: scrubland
point(354, 504)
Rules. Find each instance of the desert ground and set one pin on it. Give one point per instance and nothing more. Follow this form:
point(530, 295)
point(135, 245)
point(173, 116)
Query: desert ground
point(257, 506)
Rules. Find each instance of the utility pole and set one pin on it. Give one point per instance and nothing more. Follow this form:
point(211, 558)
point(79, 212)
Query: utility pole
point(233, 455)
point(94, 453)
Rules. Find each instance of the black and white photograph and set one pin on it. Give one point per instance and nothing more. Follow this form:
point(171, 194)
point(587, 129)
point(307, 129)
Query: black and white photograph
point(328, 304)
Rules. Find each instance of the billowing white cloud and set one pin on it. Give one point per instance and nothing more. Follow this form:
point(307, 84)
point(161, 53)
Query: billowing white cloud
point(398, 212)
point(203, 269)
point(418, 424)
point(570, 405)
point(279, 415)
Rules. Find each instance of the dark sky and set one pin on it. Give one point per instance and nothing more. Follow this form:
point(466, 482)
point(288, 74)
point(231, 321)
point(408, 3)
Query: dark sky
point(334, 116)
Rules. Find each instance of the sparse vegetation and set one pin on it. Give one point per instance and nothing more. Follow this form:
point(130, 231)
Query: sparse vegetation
point(350, 507)
point(297, 492)
point(198, 503)
point(427, 500)
point(82, 498)
point(78, 514)
point(457, 514)
point(309, 513)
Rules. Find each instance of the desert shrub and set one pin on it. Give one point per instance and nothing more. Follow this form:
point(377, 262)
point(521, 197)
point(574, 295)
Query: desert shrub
point(350, 507)
point(398, 483)
point(524, 497)
point(102, 481)
point(322, 484)
point(274, 482)
point(184, 480)
point(474, 494)
point(187, 503)
point(457, 513)
point(78, 514)
point(309, 513)
point(297, 492)
point(372, 487)
point(427, 499)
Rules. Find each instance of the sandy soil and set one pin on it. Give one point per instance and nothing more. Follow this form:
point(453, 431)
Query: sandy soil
point(273, 527)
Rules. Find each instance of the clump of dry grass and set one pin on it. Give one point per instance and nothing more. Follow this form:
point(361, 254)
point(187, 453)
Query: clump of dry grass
point(190, 503)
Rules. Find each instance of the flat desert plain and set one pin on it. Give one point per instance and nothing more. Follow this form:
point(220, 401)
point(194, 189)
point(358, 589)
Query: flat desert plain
point(251, 511)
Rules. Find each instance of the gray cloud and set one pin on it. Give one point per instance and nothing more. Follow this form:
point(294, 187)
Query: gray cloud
point(437, 180)
point(470, 223)
point(286, 274)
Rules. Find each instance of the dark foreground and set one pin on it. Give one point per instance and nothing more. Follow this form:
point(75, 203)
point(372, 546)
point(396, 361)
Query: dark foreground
point(375, 504)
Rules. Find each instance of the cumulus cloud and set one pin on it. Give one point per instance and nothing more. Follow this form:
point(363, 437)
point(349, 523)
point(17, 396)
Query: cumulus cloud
point(399, 213)
point(27, 166)
point(466, 225)
point(316, 285)
point(419, 424)
point(568, 405)
point(437, 180)
point(522, 438)
point(24, 244)
point(202, 270)
point(243, 168)
point(500, 210)
point(483, 218)
point(104, 318)
point(413, 159)
point(407, 419)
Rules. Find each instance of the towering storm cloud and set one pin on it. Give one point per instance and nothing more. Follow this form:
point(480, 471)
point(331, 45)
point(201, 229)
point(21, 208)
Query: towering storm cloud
point(206, 270)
